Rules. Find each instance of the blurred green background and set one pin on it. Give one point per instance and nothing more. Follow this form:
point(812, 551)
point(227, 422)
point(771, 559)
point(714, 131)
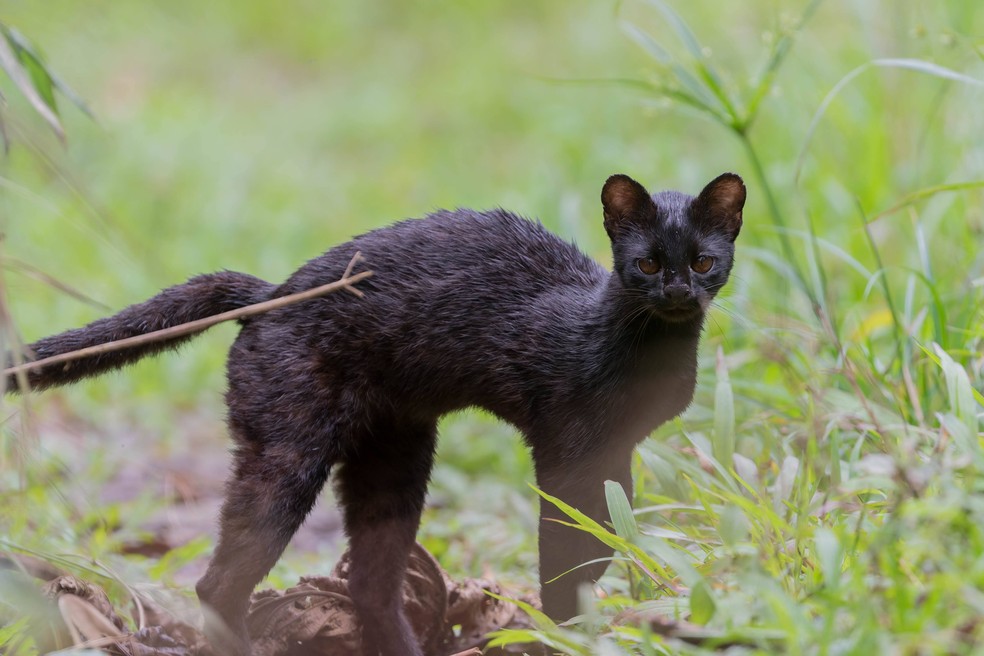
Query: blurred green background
point(254, 135)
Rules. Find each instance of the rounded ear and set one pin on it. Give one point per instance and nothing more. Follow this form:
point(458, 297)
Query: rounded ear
point(623, 198)
point(719, 205)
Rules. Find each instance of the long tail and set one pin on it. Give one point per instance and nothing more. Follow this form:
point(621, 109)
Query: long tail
point(202, 296)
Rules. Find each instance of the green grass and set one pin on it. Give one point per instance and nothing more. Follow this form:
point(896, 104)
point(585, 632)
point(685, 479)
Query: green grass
point(822, 495)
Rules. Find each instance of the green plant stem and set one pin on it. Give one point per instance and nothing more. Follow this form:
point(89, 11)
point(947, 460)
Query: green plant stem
point(897, 325)
point(777, 221)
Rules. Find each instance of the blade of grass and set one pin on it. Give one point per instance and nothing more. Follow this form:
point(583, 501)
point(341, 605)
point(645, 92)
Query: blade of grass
point(777, 55)
point(710, 76)
point(658, 90)
point(886, 288)
point(32, 271)
point(776, 215)
point(959, 390)
point(921, 194)
point(916, 65)
point(697, 90)
point(937, 308)
point(819, 276)
point(724, 415)
point(710, 95)
point(582, 522)
point(27, 48)
point(4, 135)
point(933, 355)
point(810, 236)
point(22, 79)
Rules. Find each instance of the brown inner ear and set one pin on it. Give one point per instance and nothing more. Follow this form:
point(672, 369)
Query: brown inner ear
point(721, 203)
point(622, 198)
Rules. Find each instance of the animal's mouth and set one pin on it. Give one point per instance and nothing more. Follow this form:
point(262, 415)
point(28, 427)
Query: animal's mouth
point(679, 312)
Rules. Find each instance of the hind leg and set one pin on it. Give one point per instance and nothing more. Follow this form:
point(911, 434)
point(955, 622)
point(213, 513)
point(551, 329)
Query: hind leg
point(382, 490)
point(272, 489)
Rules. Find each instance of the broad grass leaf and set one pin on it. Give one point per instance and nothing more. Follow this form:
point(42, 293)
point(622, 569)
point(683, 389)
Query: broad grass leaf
point(21, 78)
point(959, 390)
point(937, 307)
point(579, 517)
point(553, 640)
point(621, 511)
point(933, 355)
point(702, 604)
point(830, 554)
point(180, 556)
point(40, 78)
point(547, 631)
point(667, 477)
point(732, 525)
point(640, 557)
point(725, 476)
point(16, 640)
point(723, 444)
point(785, 482)
point(540, 619)
point(26, 48)
point(677, 558)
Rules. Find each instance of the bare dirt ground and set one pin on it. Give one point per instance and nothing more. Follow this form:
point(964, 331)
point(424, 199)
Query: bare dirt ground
point(119, 462)
point(168, 488)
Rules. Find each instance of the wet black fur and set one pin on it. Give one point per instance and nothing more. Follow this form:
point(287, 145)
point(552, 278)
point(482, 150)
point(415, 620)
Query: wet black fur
point(464, 309)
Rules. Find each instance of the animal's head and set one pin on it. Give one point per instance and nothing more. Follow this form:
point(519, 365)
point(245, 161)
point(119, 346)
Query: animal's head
point(673, 251)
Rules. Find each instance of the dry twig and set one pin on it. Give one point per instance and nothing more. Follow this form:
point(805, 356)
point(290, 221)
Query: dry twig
point(346, 282)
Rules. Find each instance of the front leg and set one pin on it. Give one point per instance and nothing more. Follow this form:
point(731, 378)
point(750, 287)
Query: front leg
point(580, 484)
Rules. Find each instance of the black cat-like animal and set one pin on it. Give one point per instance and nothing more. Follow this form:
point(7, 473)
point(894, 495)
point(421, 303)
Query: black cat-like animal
point(464, 309)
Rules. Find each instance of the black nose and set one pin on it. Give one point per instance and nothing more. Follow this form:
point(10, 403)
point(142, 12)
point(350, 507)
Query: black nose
point(678, 292)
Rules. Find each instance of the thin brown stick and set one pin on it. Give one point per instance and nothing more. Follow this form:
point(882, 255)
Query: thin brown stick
point(346, 282)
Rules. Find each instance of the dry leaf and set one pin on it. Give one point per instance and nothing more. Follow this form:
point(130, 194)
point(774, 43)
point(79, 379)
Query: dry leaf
point(316, 617)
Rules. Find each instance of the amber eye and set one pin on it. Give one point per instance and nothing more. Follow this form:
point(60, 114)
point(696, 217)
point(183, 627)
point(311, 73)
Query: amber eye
point(649, 265)
point(702, 264)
